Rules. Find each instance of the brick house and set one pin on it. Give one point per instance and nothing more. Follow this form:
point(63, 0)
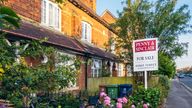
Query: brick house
point(73, 28)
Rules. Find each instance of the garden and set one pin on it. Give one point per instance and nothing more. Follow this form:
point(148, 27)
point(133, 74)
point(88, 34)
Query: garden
point(30, 84)
point(33, 68)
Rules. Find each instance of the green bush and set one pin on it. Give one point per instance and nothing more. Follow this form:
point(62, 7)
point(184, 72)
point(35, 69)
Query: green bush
point(150, 95)
point(164, 86)
point(164, 81)
point(21, 79)
point(68, 100)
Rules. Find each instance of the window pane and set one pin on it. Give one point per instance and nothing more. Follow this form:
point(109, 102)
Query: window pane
point(89, 33)
point(85, 32)
point(57, 17)
point(43, 13)
point(50, 14)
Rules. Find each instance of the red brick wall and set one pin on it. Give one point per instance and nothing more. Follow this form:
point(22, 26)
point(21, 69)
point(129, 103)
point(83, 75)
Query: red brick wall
point(81, 77)
point(108, 17)
point(27, 8)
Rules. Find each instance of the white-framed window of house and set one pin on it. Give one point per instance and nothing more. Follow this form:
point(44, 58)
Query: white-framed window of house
point(50, 14)
point(86, 31)
point(96, 68)
point(120, 69)
point(111, 69)
point(71, 85)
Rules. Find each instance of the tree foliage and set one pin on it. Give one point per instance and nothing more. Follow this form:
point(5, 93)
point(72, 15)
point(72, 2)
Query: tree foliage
point(144, 19)
point(20, 79)
point(167, 65)
point(8, 18)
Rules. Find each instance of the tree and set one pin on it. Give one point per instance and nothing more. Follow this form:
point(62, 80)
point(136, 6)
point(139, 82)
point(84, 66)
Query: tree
point(60, 1)
point(142, 19)
point(167, 65)
point(131, 25)
point(8, 20)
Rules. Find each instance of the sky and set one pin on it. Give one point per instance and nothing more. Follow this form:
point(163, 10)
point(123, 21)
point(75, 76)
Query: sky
point(116, 5)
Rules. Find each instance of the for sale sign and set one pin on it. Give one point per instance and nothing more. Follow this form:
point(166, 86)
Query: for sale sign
point(145, 54)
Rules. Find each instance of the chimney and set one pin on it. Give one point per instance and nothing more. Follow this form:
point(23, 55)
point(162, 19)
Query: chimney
point(90, 3)
point(93, 4)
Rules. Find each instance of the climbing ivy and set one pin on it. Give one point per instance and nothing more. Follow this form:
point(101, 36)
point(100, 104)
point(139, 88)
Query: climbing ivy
point(22, 79)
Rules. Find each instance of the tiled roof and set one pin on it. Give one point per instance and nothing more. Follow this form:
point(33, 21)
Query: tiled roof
point(30, 31)
point(93, 50)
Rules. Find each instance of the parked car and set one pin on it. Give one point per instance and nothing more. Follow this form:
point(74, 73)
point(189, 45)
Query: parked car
point(181, 76)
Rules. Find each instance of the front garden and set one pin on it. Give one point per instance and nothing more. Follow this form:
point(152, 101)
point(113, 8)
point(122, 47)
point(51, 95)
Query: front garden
point(33, 68)
point(33, 74)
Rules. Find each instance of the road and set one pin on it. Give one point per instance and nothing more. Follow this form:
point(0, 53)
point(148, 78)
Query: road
point(187, 81)
point(179, 96)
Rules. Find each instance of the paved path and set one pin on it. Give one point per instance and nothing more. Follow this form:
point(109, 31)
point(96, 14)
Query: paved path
point(179, 96)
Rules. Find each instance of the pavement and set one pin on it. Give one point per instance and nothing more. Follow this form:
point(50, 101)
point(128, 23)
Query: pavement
point(180, 95)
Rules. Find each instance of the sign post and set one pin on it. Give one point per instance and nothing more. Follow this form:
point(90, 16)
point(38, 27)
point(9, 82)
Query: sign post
point(145, 56)
point(145, 79)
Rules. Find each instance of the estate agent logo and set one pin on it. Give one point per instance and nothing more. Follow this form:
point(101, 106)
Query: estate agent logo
point(145, 54)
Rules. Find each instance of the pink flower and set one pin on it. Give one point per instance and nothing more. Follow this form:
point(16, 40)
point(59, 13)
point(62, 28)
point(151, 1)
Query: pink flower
point(102, 94)
point(119, 100)
point(132, 106)
point(119, 105)
point(107, 98)
point(145, 106)
point(107, 102)
point(124, 99)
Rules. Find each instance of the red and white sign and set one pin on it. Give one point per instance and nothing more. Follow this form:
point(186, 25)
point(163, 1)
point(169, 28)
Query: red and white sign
point(145, 54)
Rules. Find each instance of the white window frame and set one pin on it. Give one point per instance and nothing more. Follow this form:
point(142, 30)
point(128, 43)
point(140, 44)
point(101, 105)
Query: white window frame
point(120, 69)
point(111, 69)
point(96, 68)
point(45, 14)
point(86, 31)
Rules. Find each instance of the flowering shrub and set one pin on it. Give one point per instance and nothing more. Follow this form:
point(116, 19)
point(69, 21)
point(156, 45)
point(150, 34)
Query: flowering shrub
point(124, 100)
point(106, 101)
point(102, 94)
point(146, 98)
